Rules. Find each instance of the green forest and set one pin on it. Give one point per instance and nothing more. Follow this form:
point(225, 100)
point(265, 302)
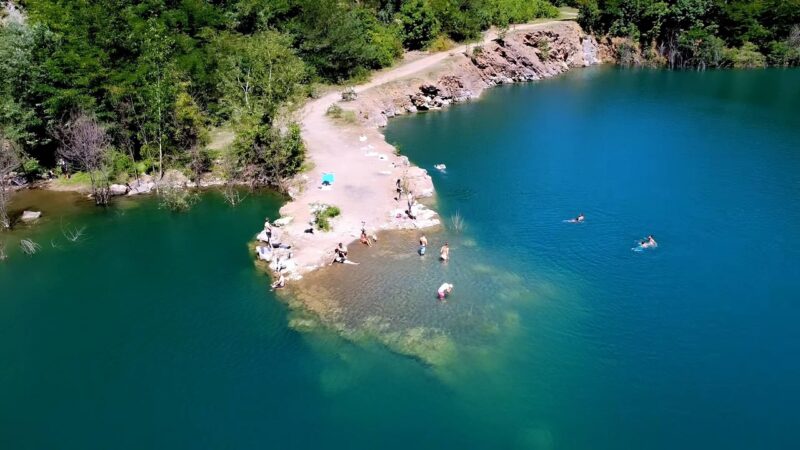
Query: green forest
point(149, 79)
point(699, 33)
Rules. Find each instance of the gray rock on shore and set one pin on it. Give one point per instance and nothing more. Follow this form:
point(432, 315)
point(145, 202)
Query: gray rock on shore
point(118, 189)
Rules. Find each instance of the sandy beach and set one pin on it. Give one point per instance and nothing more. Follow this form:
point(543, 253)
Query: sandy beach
point(365, 167)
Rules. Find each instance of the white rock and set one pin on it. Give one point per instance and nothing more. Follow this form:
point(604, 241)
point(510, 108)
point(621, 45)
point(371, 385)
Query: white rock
point(28, 216)
point(283, 221)
point(142, 187)
point(118, 189)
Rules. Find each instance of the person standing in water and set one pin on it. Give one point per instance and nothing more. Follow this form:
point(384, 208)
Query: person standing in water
point(444, 290)
point(444, 252)
point(423, 245)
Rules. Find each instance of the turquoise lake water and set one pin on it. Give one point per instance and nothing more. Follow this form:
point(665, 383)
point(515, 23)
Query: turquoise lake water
point(155, 330)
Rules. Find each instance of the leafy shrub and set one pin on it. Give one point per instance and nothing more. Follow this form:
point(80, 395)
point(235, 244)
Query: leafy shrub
point(544, 48)
point(322, 216)
point(336, 112)
point(121, 165)
point(31, 167)
point(461, 19)
point(387, 45)
point(745, 57)
point(268, 155)
point(419, 22)
point(503, 12)
point(783, 54)
point(175, 198)
point(441, 43)
point(700, 48)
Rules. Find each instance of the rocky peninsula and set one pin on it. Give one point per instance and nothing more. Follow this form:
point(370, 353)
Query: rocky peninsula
point(365, 168)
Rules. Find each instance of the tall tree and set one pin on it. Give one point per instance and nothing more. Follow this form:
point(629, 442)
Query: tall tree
point(259, 74)
point(84, 144)
point(158, 90)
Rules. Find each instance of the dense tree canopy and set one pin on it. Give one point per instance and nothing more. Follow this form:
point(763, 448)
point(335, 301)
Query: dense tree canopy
point(157, 74)
point(701, 33)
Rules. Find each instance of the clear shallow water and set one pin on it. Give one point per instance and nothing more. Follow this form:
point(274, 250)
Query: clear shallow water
point(157, 331)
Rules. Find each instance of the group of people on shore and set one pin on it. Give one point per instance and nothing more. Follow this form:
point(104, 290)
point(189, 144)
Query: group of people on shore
point(268, 252)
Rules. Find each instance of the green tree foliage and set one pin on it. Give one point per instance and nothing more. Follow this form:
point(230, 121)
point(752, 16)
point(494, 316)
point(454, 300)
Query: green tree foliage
point(24, 82)
point(343, 40)
point(258, 74)
point(701, 33)
point(157, 74)
point(420, 25)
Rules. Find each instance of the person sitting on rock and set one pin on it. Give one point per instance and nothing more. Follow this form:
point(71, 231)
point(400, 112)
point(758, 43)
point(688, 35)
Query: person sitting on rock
point(280, 283)
point(365, 239)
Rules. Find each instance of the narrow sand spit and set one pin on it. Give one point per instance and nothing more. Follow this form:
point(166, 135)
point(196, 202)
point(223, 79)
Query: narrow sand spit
point(365, 168)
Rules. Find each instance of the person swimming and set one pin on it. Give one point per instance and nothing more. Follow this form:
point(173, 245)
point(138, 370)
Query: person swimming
point(444, 252)
point(650, 242)
point(578, 219)
point(444, 290)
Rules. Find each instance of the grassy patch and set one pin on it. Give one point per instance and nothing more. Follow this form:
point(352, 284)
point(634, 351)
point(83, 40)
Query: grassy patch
point(323, 215)
point(441, 43)
point(76, 179)
point(567, 12)
point(336, 112)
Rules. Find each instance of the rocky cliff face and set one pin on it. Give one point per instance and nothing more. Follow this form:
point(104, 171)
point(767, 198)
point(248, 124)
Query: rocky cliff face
point(10, 13)
point(521, 56)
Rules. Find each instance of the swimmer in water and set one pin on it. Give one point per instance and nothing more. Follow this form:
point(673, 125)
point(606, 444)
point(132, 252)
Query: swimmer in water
point(444, 252)
point(444, 290)
point(580, 218)
point(650, 242)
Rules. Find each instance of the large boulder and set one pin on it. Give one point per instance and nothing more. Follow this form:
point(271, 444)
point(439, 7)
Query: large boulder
point(143, 185)
point(118, 189)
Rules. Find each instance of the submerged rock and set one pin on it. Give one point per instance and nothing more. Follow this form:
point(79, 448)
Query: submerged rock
point(28, 216)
